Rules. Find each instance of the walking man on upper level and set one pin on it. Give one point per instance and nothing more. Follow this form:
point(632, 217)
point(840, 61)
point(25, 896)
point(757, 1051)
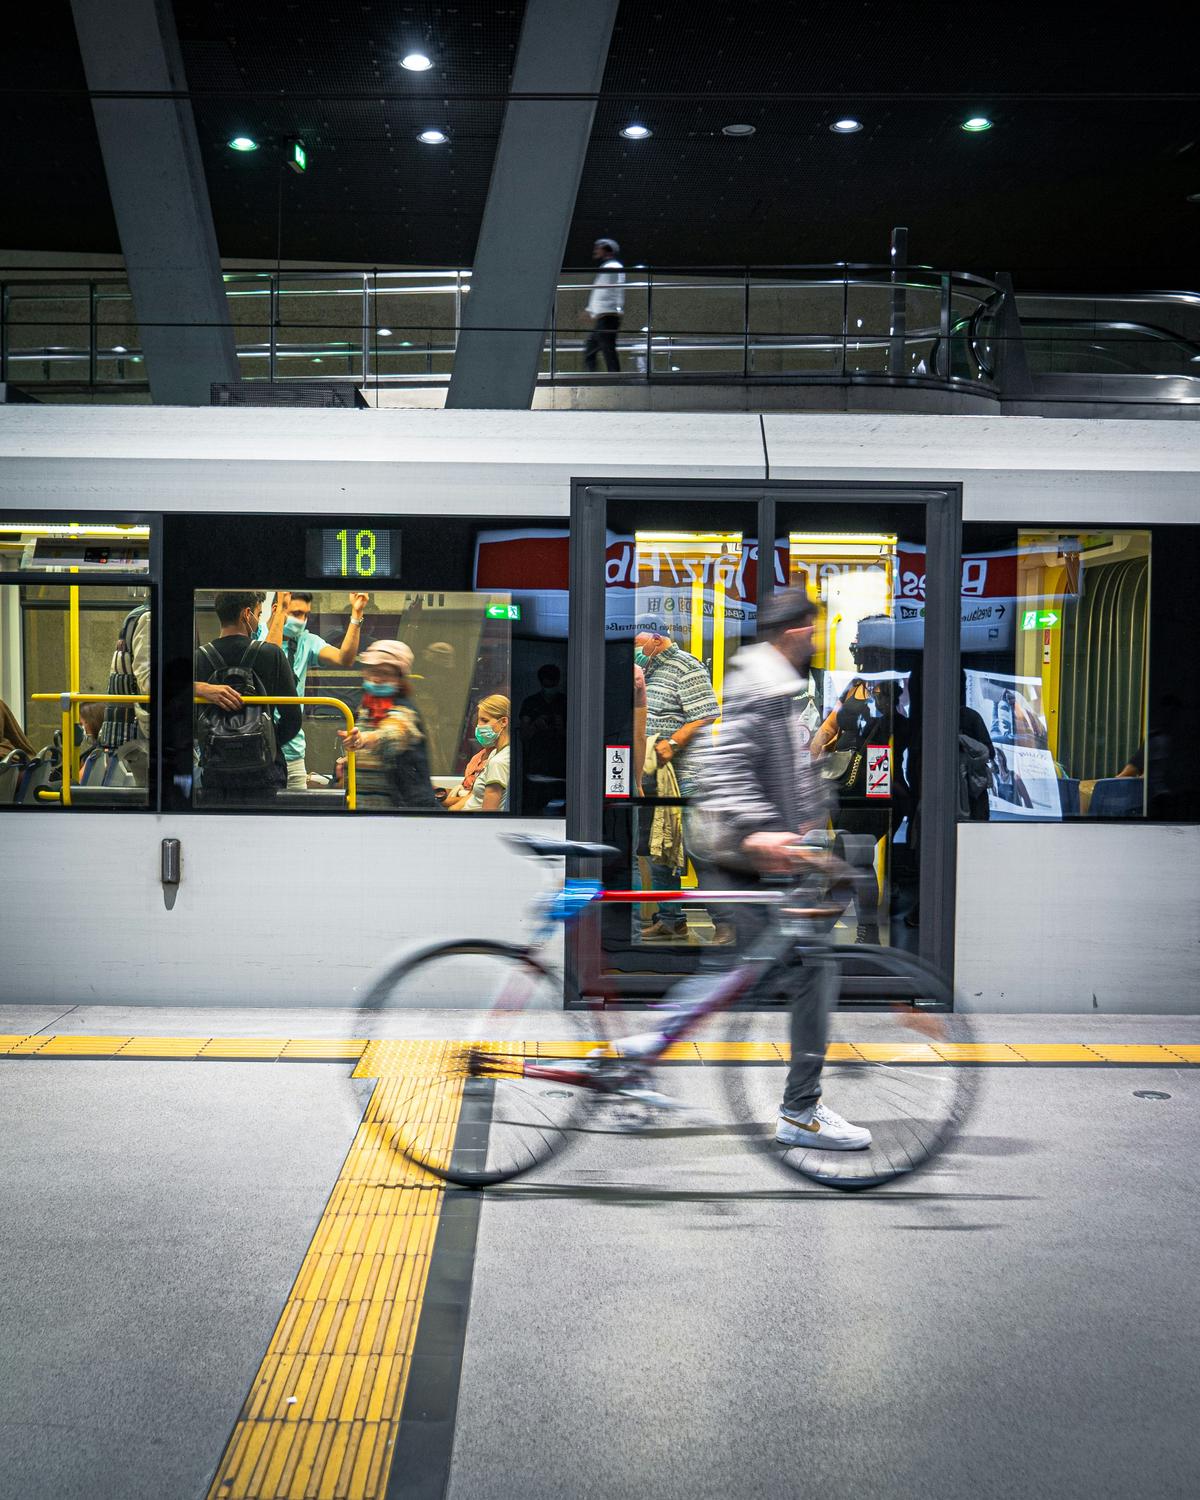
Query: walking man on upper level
point(605, 306)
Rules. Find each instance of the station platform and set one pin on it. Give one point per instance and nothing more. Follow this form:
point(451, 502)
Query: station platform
point(215, 1286)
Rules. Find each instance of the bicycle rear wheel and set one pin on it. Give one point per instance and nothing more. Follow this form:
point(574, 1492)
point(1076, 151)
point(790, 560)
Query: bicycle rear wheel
point(456, 1029)
point(912, 1085)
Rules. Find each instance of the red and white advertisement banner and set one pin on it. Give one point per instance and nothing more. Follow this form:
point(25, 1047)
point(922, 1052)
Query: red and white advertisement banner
point(532, 565)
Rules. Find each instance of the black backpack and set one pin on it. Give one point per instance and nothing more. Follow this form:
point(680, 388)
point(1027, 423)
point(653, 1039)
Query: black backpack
point(237, 749)
point(973, 779)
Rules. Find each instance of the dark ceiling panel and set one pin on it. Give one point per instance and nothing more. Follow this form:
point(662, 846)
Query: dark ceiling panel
point(1087, 191)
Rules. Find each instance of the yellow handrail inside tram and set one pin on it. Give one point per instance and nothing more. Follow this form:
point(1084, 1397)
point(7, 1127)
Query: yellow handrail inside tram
point(69, 700)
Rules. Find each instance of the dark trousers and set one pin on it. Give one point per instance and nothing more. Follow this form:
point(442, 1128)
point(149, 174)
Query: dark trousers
point(811, 986)
point(602, 340)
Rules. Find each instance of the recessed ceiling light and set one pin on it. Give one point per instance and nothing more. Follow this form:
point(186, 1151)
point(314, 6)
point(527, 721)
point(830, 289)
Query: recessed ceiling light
point(416, 62)
point(433, 137)
point(976, 124)
point(737, 129)
point(243, 143)
point(636, 132)
point(384, 333)
point(847, 126)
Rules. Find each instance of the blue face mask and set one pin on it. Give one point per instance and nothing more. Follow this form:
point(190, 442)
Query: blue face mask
point(379, 689)
point(294, 629)
point(485, 735)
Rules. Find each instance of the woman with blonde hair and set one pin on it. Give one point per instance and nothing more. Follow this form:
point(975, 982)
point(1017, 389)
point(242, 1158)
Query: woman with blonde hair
point(489, 792)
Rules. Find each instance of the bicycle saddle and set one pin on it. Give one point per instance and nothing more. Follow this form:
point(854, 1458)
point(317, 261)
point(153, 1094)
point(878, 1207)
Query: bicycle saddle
point(531, 844)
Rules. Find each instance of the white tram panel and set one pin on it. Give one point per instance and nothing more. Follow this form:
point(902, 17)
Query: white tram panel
point(85, 919)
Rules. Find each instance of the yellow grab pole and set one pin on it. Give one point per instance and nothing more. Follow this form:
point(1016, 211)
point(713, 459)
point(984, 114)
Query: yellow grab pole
point(69, 751)
point(67, 700)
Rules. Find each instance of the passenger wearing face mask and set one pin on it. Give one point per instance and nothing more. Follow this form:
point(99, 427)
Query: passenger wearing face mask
point(489, 791)
point(288, 629)
point(390, 738)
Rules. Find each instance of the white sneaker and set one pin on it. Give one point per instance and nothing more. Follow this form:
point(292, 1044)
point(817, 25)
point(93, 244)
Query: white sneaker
point(820, 1129)
point(645, 1044)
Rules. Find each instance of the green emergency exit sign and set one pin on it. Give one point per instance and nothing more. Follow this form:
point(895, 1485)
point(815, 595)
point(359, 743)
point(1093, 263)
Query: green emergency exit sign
point(503, 611)
point(1039, 619)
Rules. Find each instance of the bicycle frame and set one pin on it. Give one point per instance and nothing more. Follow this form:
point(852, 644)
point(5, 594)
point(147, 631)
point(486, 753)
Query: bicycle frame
point(786, 935)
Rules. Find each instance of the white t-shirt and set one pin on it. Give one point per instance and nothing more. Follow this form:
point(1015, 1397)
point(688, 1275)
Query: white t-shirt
point(608, 290)
point(494, 773)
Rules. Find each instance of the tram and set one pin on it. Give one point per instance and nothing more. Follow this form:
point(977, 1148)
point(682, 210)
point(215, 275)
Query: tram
point(1005, 625)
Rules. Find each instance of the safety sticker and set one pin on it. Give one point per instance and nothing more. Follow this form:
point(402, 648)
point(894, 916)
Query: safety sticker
point(616, 771)
point(879, 770)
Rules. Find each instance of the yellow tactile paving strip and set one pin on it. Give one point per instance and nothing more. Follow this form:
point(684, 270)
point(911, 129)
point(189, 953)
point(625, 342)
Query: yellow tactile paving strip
point(322, 1413)
point(385, 1058)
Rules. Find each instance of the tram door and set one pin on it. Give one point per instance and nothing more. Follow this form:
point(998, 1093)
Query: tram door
point(683, 581)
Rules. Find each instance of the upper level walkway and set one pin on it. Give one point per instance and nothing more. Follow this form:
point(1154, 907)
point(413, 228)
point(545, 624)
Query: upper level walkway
point(761, 338)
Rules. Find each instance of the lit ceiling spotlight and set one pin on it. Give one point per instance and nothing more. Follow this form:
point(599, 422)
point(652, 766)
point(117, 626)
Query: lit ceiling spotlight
point(243, 143)
point(848, 126)
point(737, 130)
point(433, 137)
point(636, 132)
point(976, 125)
point(416, 62)
point(384, 333)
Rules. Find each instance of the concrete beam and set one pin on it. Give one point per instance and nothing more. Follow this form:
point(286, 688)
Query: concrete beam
point(156, 183)
point(535, 179)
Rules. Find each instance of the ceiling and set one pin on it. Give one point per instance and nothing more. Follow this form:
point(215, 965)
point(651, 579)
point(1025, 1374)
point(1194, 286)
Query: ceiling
point(1082, 183)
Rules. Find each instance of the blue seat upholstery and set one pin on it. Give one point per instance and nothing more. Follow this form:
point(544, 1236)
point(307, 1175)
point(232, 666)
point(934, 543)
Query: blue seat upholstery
point(1117, 797)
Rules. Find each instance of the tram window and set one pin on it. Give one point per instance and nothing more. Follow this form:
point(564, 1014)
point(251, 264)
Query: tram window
point(1057, 720)
point(425, 678)
point(59, 638)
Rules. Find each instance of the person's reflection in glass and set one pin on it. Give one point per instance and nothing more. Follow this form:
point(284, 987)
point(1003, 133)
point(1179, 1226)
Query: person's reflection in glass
point(542, 724)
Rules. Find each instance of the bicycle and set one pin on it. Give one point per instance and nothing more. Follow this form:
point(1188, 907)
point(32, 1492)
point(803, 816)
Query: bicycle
point(487, 1107)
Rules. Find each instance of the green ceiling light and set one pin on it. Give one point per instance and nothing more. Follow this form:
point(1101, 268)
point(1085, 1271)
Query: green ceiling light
point(243, 143)
point(976, 125)
point(297, 156)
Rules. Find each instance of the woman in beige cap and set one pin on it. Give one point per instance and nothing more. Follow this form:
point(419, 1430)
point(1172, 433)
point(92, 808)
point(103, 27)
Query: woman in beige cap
point(389, 738)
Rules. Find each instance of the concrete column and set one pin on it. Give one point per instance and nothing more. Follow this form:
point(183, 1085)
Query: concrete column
point(535, 177)
point(156, 183)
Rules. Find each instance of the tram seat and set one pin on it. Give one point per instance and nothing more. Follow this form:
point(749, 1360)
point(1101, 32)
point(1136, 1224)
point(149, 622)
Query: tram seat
point(1117, 797)
point(43, 770)
point(12, 770)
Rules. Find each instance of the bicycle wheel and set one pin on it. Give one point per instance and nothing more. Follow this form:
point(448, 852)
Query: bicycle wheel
point(912, 1085)
point(457, 1029)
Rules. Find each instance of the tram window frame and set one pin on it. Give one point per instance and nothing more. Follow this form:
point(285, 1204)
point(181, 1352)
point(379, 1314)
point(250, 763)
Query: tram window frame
point(437, 554)
point(150, 579)
point(1173, 562)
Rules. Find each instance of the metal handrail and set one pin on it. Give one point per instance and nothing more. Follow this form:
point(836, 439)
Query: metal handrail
point(366, 287)
point(347, 713)
point(67, 701)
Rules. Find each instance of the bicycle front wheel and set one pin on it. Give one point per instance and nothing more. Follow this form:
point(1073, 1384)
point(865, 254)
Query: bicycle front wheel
point(909, 1079)
point(491, 1096)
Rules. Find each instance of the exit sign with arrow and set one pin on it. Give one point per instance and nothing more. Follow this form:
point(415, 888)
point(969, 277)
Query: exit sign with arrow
point(1039, 619)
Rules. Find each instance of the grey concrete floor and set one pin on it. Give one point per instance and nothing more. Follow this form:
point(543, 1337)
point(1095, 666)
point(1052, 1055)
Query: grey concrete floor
point(154, 1218)
point(673, 1318)
point(654, 1315)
